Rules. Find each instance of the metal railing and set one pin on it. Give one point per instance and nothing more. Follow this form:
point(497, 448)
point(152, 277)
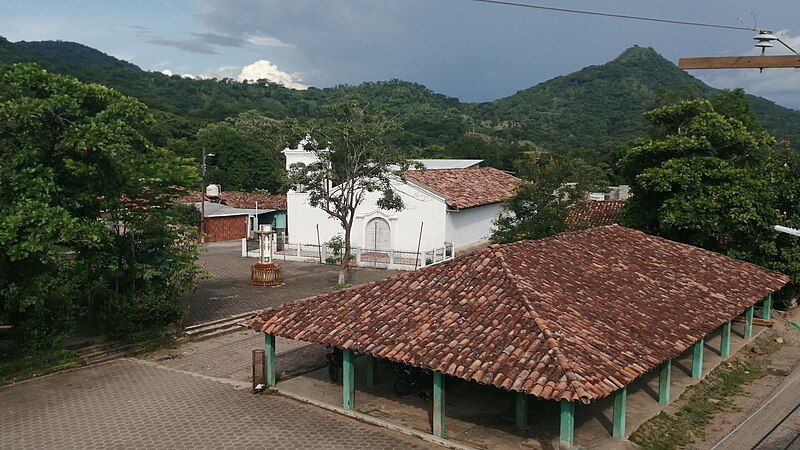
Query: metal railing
point(362, 257)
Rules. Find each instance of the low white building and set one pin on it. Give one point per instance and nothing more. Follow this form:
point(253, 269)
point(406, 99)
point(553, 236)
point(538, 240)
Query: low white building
point(449, 205)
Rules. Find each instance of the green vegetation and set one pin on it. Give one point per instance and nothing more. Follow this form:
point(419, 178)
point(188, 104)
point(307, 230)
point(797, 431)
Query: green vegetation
point(599, 107)
point(340, 180)
point(716, 181)
point(88, 236)
point(553, 185)
point(714, 394)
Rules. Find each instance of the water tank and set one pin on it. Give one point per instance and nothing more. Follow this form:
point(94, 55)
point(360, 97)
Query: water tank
point(213, 191)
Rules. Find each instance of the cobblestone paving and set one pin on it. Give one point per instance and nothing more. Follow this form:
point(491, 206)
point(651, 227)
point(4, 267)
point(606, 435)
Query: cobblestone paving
point(229, 292)
point(130, 404)
point(230, 356)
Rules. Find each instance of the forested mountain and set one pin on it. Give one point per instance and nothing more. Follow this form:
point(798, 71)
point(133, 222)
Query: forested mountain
point(598, 107)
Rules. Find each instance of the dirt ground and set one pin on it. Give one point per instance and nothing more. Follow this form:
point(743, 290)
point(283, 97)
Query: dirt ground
point(779, 364)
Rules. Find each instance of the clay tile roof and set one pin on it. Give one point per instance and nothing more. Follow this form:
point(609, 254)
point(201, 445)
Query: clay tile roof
point(243, 200)
point(466, 188)
point(595, 214)
point(571, 317)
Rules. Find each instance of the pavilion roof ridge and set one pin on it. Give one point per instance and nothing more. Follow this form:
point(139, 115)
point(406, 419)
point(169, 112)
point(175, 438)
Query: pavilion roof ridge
point(550, 338)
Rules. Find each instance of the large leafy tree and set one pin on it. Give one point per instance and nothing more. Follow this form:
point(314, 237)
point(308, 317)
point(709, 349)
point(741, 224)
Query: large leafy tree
point(86, 225)
point(247, 148)
point(552, 186)
point(716, 181)
point(352, 161)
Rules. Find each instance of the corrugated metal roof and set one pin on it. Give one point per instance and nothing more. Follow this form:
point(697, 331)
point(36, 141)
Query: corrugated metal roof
point(448, 163)
point(220, 210)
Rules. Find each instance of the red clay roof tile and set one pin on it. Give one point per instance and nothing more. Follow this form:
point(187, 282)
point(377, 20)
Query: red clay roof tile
point(467, 188)
point(575, 316)
point(595, 214)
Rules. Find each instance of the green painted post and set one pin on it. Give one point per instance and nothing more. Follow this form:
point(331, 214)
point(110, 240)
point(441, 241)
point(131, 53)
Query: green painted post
point(269, 360)
point(348, 380)
point(697, 360)
point(664, 379)
point(372, 371)
point(438, 404)
point(522, 410)
point(620, 407)
point(725, 346)
point(567, 423)
point(766, 311)
point(748, 322)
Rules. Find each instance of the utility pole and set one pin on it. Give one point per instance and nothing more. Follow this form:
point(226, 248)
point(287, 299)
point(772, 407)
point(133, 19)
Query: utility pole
point(764, 40)
point(203, 198)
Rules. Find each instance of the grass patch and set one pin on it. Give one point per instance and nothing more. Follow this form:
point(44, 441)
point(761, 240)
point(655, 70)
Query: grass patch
point(713, 394)
point(29, 366)
point(22, 367)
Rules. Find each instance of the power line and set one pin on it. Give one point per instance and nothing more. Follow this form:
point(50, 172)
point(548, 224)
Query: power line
point(619, 16)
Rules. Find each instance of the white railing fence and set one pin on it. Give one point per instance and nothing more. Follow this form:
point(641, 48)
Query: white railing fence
point(362, 257)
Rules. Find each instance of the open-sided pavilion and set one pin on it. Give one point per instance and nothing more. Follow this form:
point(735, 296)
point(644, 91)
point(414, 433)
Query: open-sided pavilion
point(572, 318)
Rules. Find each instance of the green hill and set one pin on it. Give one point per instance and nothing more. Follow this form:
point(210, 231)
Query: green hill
point(597, 107)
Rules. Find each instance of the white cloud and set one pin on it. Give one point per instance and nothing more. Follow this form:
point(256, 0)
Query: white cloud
point(263, 69)
point(267, 41)
point(220, 73)
point(780, 85)
point(259, 70)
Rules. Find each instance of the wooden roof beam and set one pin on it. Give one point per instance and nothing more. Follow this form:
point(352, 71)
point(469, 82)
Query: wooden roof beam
point(741, 62)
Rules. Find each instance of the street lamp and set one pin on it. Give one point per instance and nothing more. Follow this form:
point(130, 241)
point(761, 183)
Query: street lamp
point(787, 230)
point(203, 198)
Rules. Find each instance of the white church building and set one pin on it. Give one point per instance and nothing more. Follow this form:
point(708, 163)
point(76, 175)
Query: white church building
point(448, 206)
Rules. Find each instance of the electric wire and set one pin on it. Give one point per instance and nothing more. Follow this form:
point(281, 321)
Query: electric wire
point(772, 430)
point(615, 15)
point(787, 46)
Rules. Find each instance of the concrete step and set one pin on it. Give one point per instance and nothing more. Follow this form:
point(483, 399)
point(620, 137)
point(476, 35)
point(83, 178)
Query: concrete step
point(223, 320)
point(218, 332)
point(215, 329)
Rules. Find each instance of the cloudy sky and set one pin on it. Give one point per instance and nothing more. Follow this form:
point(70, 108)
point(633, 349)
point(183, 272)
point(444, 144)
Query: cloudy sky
point(461, 48)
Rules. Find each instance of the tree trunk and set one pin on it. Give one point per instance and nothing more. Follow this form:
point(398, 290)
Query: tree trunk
point(345, 257)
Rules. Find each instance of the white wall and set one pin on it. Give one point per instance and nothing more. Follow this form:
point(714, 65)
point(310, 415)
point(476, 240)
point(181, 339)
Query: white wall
point(472, 224)
point(420, 206)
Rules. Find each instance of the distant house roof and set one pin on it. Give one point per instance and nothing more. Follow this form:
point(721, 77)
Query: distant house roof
point(572, 317)
point(220, 210)
point(595, 214)
point(466, 188)
point(448, 163)
point(237, 199)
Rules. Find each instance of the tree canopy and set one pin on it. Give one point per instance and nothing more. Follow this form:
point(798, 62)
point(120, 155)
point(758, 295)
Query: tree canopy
point(86, 225)
point(352, 161)
point(552, 185)
point(717, 181)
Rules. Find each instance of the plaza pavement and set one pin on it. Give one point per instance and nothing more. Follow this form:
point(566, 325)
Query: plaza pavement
point(228, 292)
point(195, 395)
point(135, 403)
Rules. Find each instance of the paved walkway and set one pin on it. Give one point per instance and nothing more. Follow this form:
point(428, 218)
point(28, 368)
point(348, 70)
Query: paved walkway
point(131, 403)
point(228, 291)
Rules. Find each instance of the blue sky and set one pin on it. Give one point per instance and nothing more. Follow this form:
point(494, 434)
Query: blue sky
point(472, 51)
